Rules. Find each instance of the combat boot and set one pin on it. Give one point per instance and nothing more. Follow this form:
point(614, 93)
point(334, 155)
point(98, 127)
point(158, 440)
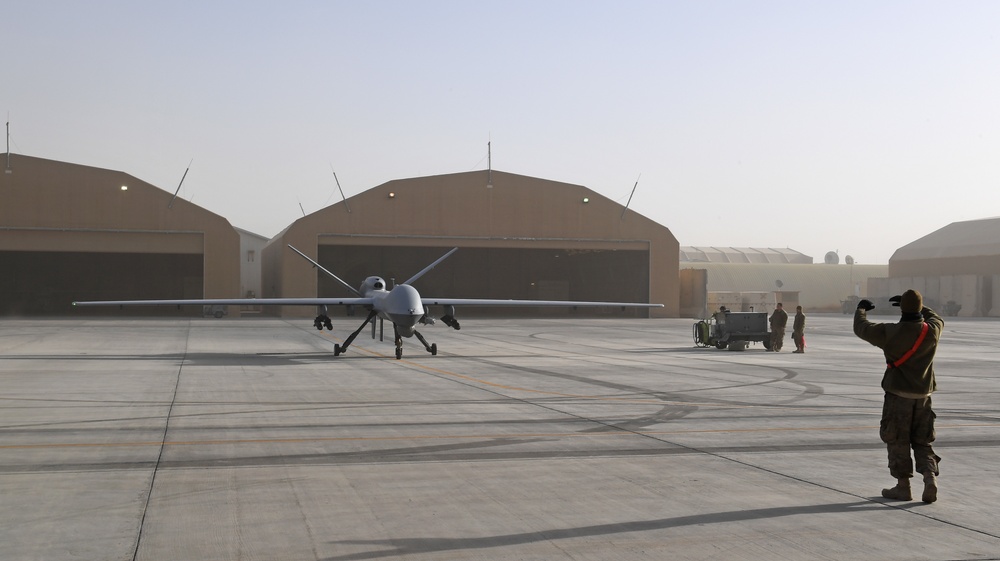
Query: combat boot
point(901, 492)
point(930, 487)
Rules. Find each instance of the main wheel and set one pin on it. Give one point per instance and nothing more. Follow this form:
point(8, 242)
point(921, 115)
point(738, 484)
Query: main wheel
point(434, 349)
point(337, 350)
point(721, 345)
point(399, 353)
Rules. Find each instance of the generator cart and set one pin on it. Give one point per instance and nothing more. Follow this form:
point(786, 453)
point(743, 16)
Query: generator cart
point(732, 330)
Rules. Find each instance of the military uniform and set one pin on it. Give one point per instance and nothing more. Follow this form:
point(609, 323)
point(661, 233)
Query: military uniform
point(799, 331)
point(779, 319)
point(907, 416)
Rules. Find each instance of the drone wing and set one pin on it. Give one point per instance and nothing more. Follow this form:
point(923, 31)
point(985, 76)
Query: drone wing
point(529, 303)
point(235, 302)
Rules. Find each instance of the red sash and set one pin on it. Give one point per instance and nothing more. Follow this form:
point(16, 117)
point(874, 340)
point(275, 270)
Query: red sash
point(909, 353)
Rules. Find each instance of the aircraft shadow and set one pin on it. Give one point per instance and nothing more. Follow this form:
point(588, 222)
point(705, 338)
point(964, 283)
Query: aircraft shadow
point(200, 359)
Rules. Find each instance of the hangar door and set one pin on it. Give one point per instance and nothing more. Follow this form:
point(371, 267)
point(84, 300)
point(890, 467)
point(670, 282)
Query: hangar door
point(612, 275)
point(43, 274)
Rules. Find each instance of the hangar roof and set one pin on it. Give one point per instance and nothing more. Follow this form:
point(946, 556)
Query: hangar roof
point(702, 254)
point(41, 193)
point(478, 210)
point(972, 238)
point(479, 205)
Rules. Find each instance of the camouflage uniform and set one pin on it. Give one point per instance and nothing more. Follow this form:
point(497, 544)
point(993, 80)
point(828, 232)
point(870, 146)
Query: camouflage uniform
point(907, 417)
point(799, 330)
point(779, 319)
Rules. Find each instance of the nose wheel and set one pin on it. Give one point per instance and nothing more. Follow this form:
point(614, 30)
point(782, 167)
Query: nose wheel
point(431, 348)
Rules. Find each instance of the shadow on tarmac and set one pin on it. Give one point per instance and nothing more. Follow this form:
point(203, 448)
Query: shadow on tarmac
point(415, 546)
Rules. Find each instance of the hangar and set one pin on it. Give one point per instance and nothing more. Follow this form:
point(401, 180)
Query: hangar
point(956, 268)
point(743, 278)
point(72, 232)
point(519, 237)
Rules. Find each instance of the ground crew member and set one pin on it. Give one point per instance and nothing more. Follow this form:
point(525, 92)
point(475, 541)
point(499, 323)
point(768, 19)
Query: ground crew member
point(799, 331)
point(779, 319)
point(907, 417)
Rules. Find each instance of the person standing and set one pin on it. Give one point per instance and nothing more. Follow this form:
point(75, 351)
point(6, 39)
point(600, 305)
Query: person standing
point(907, 418)
point(779, 319)
point(799, 331)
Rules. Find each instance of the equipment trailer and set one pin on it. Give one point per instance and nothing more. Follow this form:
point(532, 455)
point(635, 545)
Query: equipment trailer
point(732, 330)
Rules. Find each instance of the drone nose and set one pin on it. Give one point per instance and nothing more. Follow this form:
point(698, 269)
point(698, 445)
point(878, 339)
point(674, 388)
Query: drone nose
point(404, 305)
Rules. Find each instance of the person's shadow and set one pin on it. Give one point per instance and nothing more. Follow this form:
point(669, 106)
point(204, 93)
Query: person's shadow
point(411, 546)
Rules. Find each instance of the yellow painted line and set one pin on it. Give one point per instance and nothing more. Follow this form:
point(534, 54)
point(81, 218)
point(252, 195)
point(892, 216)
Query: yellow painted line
point(611, 433)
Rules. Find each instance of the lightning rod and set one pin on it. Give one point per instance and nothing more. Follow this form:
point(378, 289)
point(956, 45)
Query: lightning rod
point(8, 145)
point(630, 197)
point(171, 203)
point(341, 190)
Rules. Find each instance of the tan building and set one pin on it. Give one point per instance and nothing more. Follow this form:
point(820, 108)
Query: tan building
point(956, 268)
point(519, 237)
point(745, 279)
point(71, 232)
point(741, 286)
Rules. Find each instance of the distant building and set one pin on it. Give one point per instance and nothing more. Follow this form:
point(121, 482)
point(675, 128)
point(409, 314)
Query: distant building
point(956, 268)
point(251, 256)
point(701, 254)
point(745, 278)
point(739, 286)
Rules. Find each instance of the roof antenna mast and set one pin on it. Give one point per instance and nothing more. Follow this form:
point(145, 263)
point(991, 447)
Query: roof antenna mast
point(630, 197)
point(489, 164)
point(8, 145)
point(171, 203)
point(341, 190)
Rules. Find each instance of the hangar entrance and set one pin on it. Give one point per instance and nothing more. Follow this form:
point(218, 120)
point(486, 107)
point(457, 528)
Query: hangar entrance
point(613, 275)
point(46, 283)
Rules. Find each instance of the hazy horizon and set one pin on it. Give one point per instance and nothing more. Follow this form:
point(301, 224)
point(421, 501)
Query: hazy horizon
point(852, 127)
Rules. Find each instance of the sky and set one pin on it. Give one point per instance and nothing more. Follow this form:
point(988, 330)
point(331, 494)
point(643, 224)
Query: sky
point(849, 126)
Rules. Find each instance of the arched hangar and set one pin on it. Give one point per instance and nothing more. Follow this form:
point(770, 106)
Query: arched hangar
point(71, 232)
point(519, 237)
point(956, 268)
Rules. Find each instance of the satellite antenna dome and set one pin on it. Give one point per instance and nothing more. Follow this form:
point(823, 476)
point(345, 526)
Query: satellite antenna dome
point(849, 260)
point(831, 258)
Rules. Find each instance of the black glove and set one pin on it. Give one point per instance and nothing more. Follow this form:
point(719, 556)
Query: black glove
point(896, 300)
point(866, 305)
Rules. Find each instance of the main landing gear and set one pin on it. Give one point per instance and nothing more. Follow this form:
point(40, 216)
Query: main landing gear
point(433, 349)
point(338, 349)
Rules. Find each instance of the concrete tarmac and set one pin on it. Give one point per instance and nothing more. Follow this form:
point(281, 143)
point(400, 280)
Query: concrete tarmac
point(198, 439)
